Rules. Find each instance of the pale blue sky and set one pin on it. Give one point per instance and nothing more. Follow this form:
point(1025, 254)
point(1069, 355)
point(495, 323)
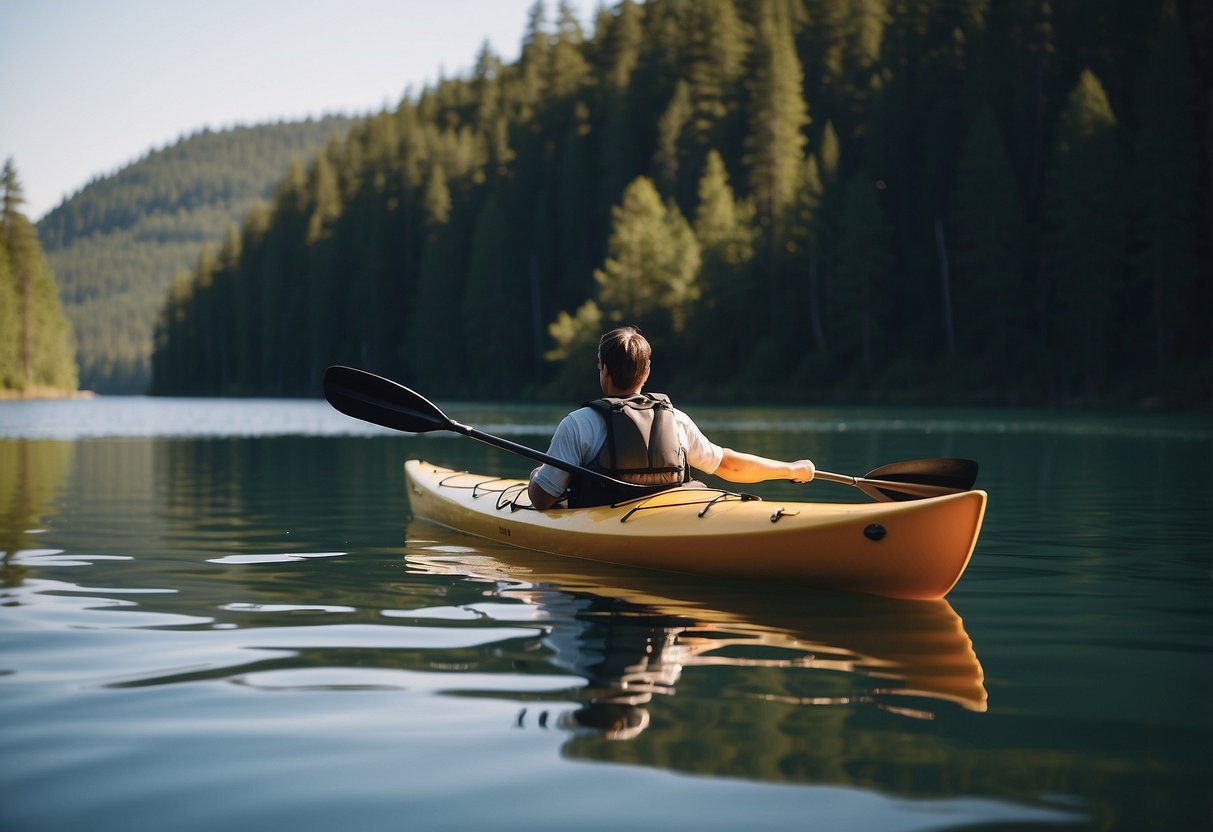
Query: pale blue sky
point(88, 86)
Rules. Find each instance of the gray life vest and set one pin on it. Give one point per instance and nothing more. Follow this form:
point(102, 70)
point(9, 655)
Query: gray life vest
point(641, 446)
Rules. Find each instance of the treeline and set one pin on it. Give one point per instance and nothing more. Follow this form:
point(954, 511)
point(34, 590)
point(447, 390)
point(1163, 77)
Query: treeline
point(35, 339)
point(796, 199)
point(116, 245)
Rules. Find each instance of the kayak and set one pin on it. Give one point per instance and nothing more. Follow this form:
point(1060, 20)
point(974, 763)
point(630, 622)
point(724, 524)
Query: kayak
point(916, 549)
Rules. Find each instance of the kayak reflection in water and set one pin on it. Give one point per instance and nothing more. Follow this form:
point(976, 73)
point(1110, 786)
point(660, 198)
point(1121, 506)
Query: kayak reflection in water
point(626, 654)
point(639, 437)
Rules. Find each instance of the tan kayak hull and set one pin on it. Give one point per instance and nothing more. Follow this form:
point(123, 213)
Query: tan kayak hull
point(916, 549)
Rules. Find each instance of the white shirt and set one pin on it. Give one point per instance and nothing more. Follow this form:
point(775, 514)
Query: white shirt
point(580, 436)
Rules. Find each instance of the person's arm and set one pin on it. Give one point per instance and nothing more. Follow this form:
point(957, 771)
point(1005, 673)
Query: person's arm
point(575, 434)
point(736, 466)
point(540, 498)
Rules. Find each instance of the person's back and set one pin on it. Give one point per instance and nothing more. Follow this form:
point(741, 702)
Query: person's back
point(655, 442)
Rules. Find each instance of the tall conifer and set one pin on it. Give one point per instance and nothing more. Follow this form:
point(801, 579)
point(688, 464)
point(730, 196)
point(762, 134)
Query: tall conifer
point(651, 269)
point(1084, 206)
point(857, 315)
point(778, 115)
point(43, 356)
point(988, 232)
point(1167, 189)
point(725, 229)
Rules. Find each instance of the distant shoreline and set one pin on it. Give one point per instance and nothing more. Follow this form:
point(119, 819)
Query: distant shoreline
point(35, 393)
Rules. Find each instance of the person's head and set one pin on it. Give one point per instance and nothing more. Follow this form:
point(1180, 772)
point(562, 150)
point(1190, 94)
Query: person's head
point(623, 353)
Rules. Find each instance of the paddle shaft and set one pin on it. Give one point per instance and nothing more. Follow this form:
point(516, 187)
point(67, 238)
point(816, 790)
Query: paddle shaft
point(531, 453)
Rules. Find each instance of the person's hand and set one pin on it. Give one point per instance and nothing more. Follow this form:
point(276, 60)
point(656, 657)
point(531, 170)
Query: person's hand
point(802, 470)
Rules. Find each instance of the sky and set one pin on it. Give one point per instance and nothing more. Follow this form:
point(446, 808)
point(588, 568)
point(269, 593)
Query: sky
point(89, 86)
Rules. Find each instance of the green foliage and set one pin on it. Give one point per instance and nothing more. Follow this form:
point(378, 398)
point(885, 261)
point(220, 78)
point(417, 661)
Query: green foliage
point(968, 213)
point(35, 338)
point(988, 225)
point(859, 314)
point(1168, 200)
point(1087, 220)
point(650, 274)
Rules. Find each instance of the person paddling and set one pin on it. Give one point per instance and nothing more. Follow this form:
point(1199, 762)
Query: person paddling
point(639, 437)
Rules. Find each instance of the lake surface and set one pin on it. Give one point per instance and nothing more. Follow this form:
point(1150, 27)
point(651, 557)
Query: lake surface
point(220, 615)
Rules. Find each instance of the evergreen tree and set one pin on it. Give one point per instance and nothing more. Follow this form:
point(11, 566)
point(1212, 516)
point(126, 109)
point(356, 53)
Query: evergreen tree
point(12, 371)
point(857, 315)
point(988, 233)
point(725, 229)
point(1086, 234)
point(324, 302)
point(579, 246)
point(621, 48)
point(533, 65)
point(718, 51)
point(778, 115)
point(669, 133)
point(494, 307)
point(41, 358)
point(568, 70)
point(804, 249)
point(650, 274)
point(775, 142)
point(432, 341)
point(1167, 196)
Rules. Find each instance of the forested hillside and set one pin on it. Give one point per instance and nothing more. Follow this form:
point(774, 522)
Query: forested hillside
point(117, 244)
point(959, 200)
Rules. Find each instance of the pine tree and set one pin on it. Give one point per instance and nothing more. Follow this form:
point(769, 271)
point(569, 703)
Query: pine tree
point(778, 115)
point(650, 274)
point(669, 133)
point(568, 70)
point(12, 374)
point(622, 42)
point(1085, 210)
point(988, 233)
point(42, 358)
point(775, 143)
point(725, 229)
point(719, 47)
point(494, 307)
point(533, 64)
point(857, 315)
point(804, 251)
point(716, 65)
point(1167, 191)
point(579, 245)
point(325, 314)
point(432, 345)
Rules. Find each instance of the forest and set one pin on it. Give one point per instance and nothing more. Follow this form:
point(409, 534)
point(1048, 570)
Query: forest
point(116, 245)
point(797, 200)
point(36, 345)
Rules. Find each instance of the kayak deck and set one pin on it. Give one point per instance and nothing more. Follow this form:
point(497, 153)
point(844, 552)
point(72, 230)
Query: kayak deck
point(916, 549)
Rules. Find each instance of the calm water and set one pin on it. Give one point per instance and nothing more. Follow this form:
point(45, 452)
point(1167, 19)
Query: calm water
point(219, 615)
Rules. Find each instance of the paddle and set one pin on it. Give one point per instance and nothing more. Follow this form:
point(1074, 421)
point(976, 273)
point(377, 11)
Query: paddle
point(912, 480)
point(383, 402)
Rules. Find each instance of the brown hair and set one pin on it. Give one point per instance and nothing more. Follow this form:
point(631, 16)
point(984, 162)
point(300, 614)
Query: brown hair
point(626, 354)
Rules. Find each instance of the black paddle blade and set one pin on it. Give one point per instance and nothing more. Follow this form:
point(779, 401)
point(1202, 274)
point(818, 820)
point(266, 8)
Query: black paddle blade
point(950, 473)
point(381, 401)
